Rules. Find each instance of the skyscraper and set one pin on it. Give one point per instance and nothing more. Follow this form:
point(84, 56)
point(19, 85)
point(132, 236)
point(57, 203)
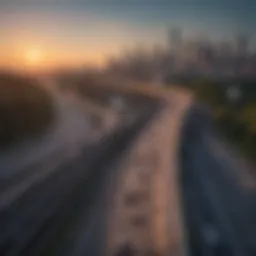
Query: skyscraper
point(175, 39)
point(242, 45)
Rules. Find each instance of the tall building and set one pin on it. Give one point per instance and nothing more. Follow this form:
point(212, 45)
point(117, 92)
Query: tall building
point(225, 49)
point(242, 45)
point(175, 39)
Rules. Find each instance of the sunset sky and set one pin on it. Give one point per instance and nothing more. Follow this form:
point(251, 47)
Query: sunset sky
point(56, 33)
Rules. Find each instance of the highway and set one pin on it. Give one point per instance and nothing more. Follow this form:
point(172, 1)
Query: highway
point(219, 194)
point(34, 213)
point(36, 204)
point(150, 174)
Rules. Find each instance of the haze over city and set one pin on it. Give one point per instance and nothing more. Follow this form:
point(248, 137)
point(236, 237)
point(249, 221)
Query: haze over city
point(42, 35)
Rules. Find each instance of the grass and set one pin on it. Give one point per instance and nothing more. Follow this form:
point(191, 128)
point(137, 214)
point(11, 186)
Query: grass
point(236, 120)
point(26, 109)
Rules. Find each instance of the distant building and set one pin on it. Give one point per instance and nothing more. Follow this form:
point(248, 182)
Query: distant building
point(225, 50)
point(175, 40)
point(242, 45)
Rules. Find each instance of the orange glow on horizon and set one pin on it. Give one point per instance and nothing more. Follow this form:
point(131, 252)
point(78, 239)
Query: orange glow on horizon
point(32, 59)
point(33, 52)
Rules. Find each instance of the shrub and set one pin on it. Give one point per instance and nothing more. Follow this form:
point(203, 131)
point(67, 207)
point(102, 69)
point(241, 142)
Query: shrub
point(25, 108)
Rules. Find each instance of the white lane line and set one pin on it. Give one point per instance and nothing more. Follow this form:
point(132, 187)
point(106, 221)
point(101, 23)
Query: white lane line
point(12, 194)
point(231, 165)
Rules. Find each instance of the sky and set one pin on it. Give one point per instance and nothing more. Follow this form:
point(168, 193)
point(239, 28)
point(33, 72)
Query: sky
point(42, 33)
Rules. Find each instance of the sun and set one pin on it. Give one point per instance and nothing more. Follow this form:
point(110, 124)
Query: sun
point(33, 57)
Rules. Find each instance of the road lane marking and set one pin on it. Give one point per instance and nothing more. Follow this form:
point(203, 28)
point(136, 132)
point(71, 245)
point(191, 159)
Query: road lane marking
point(16, 191)
point(231, 165)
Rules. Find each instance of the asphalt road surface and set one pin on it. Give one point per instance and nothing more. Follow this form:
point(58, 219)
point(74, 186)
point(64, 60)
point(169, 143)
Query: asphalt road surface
point(200, 201)
point(219, 194)
point(40, 207)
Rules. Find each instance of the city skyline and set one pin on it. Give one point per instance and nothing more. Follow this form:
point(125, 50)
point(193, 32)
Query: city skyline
point(40, 34)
